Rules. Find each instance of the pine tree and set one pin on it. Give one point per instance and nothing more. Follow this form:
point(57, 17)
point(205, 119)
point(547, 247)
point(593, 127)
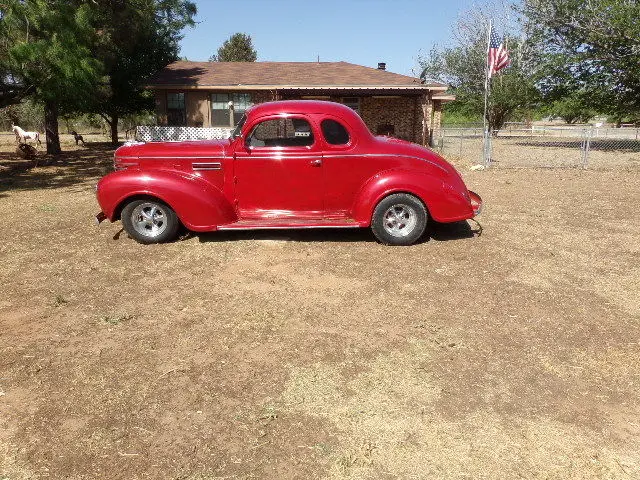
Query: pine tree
point(239, 48)
point(47, 54)
point(136, 39)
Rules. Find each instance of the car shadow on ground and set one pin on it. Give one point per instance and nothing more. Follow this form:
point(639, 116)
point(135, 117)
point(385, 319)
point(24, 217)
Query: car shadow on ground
point(443, 232)
point(439, 232)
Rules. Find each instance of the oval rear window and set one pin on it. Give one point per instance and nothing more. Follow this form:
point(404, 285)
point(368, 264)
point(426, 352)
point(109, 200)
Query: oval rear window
point(334, 132)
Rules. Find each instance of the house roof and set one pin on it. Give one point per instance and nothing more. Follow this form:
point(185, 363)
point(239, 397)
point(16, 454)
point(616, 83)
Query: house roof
point(284, 75)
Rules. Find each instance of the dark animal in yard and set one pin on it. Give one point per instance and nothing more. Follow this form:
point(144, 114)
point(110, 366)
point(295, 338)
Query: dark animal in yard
point(77, 137)
point(28, 152)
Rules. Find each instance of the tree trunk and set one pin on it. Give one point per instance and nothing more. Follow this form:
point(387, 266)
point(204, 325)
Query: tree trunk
point(114, 129)
point(51, 128)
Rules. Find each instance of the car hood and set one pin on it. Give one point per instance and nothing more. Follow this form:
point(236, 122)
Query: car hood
point(199, 148)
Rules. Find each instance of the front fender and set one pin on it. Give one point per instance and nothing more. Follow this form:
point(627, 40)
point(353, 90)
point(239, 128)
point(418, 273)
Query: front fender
point(199, 205)
point(444, 201)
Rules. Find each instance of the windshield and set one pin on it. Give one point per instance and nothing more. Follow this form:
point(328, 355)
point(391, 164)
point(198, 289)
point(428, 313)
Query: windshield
point(238, 130)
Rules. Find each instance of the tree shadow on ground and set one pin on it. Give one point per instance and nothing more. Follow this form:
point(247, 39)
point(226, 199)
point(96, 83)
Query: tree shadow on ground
point(64, 170)
point(439, 232)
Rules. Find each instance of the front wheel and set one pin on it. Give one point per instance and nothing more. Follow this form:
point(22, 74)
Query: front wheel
point(150, 221)
point(399, 219)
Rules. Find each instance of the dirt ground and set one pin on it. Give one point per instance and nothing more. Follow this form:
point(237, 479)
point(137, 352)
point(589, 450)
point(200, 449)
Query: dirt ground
point(307, 355)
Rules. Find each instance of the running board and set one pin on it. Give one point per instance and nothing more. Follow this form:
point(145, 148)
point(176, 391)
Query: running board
point(282, 224)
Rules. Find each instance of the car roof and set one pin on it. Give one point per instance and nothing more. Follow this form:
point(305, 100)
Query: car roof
point(337, 110)
point(302, 106)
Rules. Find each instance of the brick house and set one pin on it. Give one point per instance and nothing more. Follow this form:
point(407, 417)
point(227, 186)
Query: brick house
point(216, 94)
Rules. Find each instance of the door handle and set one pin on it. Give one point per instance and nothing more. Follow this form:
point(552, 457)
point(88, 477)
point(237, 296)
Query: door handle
point(316, 163)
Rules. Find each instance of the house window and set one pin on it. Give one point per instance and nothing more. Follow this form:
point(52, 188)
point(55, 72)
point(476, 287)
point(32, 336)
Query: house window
point(176, 114)
point(353, 103)
point(221, 114)
point(386, 129)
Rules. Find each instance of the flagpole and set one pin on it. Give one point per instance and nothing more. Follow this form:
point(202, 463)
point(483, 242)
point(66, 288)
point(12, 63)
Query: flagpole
point(486, 150)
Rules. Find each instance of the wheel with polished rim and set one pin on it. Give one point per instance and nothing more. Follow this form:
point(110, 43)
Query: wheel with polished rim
point(150, 221)
point(399, 219)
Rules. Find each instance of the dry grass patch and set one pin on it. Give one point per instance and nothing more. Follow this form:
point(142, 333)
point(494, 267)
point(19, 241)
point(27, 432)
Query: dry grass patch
point(390, 428)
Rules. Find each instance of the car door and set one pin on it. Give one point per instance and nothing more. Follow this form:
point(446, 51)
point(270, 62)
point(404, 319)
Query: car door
point(278, 170)
point(345, 168)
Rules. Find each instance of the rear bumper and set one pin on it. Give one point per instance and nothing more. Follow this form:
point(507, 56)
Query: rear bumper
point(476, 203)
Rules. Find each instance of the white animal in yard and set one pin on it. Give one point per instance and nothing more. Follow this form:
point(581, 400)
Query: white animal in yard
point(22, 136)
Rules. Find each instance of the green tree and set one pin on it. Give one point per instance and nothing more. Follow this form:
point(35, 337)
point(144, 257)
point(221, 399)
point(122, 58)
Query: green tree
point(591, 47)
point(27, 113)
point(136, 39)
point(47, 54)
point(462, 66)
point(238, 48)
point(573, 107)
point(11, 90)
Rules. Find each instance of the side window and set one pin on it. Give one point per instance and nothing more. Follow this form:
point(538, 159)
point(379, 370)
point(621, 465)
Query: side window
point(281, 132)
point(334, 133)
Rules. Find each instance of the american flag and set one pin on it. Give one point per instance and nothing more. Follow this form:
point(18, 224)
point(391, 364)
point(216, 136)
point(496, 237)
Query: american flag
point(498, 57)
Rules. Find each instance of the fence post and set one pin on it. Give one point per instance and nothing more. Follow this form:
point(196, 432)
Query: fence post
point(486, 150)
point(586, 146)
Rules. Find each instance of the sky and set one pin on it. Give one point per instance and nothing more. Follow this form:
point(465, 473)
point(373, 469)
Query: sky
point(357, 31)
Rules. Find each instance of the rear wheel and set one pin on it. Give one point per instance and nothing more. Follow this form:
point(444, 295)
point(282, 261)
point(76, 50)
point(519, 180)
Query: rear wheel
point(150, 221)
point(399, 219)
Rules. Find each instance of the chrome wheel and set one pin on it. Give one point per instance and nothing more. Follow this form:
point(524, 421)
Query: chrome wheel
point(400, 220)
point(149, 219)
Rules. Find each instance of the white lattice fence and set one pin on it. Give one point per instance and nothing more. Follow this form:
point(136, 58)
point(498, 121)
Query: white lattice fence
point(179, 134)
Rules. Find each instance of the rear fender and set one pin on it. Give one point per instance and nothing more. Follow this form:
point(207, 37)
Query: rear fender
point(198, 204)
point(443, 202)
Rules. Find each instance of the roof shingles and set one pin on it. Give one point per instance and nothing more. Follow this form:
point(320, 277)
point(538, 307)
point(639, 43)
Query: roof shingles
point(293, 74)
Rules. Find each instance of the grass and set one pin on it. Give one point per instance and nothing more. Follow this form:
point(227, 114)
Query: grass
point(117, 318)
point(60, 301)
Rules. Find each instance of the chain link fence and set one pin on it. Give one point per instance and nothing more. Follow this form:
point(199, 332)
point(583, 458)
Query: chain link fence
point(541, 146)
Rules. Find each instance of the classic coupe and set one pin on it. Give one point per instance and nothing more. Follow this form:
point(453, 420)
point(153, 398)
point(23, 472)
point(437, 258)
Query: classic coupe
point(287, 164)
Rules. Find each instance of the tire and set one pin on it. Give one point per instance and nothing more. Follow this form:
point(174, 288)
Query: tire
point(399, 219)
point(150, 221)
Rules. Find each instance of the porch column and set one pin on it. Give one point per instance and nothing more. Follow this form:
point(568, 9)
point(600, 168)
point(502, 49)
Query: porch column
point(437, 115)
point(427, 122)
point(161, 106)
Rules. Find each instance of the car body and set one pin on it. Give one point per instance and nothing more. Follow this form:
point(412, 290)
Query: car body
point(288, 164)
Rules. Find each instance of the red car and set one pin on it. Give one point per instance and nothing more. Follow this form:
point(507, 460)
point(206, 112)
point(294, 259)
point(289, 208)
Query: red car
point(288, 164)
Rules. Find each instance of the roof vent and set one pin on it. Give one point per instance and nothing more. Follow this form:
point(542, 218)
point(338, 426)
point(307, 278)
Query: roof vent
point(382, 66)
